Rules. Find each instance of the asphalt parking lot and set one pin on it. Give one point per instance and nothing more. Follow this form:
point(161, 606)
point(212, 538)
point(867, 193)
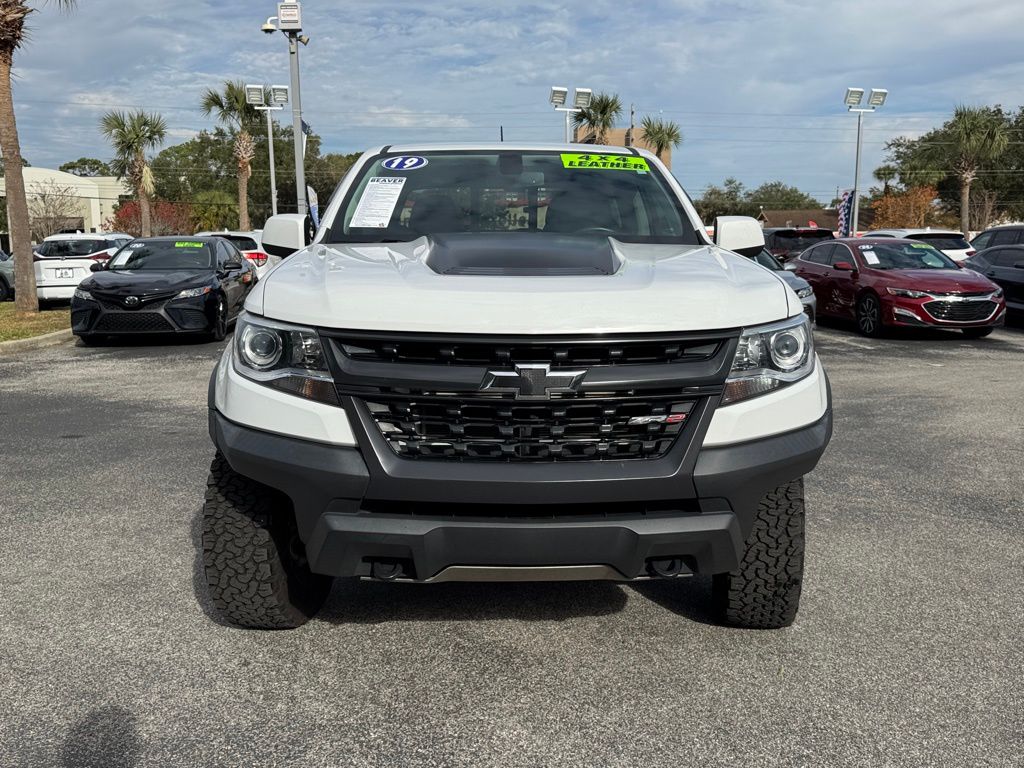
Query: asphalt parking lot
point(908, 649)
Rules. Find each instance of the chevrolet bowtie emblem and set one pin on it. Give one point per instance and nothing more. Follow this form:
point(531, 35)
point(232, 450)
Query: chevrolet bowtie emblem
point(533, 381)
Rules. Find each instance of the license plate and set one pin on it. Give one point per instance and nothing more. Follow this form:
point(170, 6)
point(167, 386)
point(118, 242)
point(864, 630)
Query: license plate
point(65, 274)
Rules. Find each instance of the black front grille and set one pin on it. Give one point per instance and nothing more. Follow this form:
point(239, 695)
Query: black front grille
point(960, 311)
point(138, 322)
point(516, 431)
point(570, 352)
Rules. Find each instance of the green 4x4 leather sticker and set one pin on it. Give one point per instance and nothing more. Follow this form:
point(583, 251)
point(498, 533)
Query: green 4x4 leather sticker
point(605, 162)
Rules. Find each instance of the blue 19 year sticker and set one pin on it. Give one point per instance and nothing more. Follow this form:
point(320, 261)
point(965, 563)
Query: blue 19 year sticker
point(404, 163)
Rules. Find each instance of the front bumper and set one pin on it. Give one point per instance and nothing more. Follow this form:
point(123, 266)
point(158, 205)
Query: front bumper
point(103, 317)
point(431, 517)
point(914, 313)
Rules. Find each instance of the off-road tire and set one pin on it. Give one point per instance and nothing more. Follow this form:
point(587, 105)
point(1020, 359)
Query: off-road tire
point(256, 568)
point(977, 333)
point(764, 593)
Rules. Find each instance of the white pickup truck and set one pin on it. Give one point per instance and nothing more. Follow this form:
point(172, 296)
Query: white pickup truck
point(512, 362)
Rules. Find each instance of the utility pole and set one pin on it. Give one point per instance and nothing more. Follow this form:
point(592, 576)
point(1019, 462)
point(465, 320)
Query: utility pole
point(632, 125)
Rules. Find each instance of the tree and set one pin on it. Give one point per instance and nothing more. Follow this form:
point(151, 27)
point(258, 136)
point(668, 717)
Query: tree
point(233, 110)
point(978, 137)
point(87, 166)
point(660, 134)
point(166, 218)
point(778, 196)
point(12, 34)
point(599, 118)
point(908, 209)
point(53, 208)
point(214, 209)
point(886, 174)
point(728, 200)
point(132, 135)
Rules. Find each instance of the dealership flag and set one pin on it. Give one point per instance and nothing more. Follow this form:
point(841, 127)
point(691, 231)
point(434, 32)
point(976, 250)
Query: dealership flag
point(314, 205)
point(845, 213)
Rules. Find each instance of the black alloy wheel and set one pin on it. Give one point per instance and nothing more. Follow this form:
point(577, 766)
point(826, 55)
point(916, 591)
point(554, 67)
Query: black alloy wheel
point(869, 315)
point(220, 323)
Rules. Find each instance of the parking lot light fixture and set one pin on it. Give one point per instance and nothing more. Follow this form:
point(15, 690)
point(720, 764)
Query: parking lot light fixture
point(279, 94)
point(580, 100)
point(854, 99)
point(854, 96)
point(254, 95)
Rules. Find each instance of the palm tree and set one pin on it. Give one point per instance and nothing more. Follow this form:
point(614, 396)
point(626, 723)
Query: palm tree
point(659, 135)
point(233, 110)
point(978, 137)
point(132, 135)
point(600, 116)
point(886, 174)
point(12, 34)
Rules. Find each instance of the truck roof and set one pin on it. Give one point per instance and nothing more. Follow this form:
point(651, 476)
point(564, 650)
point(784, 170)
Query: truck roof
point(514, 146)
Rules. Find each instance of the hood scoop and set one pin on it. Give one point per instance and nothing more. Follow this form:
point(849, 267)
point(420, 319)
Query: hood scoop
point(521, 254)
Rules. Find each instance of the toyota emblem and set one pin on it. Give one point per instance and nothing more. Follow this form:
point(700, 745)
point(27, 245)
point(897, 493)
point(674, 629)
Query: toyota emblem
point(131, 301)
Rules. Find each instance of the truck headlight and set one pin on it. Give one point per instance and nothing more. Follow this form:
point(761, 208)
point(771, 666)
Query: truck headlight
point(805, 293)
point(769, 357)
point(283, 356)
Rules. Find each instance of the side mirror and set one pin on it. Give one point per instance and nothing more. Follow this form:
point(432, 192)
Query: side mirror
point(740, 234)
point(789, 266)
point(97, 266)
point(285, 234)
point(844, 266)
point(1019, 265)
point(232, 266)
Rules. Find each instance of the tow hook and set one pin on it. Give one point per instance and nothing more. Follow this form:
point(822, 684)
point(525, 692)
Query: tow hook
point(386, 570)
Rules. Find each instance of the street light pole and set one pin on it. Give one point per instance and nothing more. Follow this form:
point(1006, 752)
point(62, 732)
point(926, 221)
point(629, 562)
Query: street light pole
point(581, 100)
point(854, 97)
point(300, 159)
point(256, 95)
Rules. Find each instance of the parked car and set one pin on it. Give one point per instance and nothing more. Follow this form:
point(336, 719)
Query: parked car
point(63, 261)
point(250, 246)
point(949, 241)
point(6, 276)
point(890, 282)
point(1006, 234)
point(182, 285)
point(800, 287)
point(585, 388)
point(786, 243)
point(1004, 266)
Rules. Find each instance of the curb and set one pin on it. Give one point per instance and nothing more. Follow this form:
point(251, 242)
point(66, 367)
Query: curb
point(36, 342)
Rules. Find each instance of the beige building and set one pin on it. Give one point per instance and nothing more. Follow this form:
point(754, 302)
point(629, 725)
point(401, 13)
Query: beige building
point(82, 203)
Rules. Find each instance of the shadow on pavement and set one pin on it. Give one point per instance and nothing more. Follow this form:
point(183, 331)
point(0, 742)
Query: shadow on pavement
point(362, 602)
point(105, 738)
point(151, 340)
point(688, 597)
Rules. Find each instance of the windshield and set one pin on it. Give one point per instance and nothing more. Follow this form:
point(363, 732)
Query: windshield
point(164, 254)
point(944, 242)
point(905, 256)
point(241, 242)
point(765, 259)
point(403, 197)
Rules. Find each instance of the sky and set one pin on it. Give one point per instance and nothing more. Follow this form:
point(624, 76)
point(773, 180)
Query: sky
point(755, 85)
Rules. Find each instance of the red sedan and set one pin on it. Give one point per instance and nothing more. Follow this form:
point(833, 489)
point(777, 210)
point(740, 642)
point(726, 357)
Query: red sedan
point(889, 282)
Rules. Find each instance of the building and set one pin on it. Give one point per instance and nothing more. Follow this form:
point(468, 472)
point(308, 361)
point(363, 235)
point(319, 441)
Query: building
point(63, 201)
point(825, 218)
point(617, 138)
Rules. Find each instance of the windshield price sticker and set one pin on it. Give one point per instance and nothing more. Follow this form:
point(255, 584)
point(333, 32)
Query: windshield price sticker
point(189, 244)
point(920, 245)
point(870, 257)
point(605, 162)
point(377, 205)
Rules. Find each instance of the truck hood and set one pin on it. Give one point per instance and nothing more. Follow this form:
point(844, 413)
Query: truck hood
point(391, 287)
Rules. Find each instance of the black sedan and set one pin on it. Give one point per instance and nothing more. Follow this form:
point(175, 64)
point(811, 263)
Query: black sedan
point(1004, 266)
point(184, 285)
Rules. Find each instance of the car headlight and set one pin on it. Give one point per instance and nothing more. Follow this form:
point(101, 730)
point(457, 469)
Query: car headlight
point(805, 293)
point(907, 293)
point(283, 356)
point(84, 295)
point(191, 293)
point(998, 294)
point(769, 357)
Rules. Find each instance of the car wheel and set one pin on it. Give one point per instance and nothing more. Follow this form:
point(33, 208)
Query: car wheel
point(5, 291)
point(764, 592)
point(220, 323)
point(977, 333)
point(869, 315)
point(255, 563)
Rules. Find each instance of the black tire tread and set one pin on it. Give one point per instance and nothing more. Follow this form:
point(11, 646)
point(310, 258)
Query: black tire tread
point(764, 593)
point(252, 580)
